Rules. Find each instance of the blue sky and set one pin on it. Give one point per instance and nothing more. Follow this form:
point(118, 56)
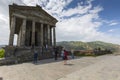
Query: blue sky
point(78, 20)
point(111, 8)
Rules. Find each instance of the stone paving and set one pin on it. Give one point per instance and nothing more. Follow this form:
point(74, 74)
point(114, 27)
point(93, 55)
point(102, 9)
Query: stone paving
point(105, 67)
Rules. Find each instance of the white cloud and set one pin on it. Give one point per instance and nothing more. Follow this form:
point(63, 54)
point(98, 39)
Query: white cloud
point(113, 23)
point(28, 2)
point(110, 22)
point(82, 22)
point(56, 7)
point(111, 30)
point(77, 10)
point(81, 26)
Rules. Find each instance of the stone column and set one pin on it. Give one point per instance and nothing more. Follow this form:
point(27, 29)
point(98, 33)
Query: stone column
point(45, 36)
point(33, 33)
point(20, 36)
point(23, 32)
point(41, 34)
point(12, 31)
point(48, 36)
point(54, 37)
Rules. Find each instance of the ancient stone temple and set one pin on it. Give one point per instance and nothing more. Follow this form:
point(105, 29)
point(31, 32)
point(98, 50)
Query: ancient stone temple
point(33, 26)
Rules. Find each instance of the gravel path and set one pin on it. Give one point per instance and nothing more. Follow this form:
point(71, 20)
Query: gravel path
point(105, 67)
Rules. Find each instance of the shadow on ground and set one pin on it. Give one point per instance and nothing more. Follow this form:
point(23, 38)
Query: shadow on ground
point(46, 61)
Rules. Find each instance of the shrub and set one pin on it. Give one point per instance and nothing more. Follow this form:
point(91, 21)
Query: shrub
point(2, 52)
point(84, 53)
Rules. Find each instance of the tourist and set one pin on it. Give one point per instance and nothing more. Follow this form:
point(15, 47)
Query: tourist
point(46, 46)
point(72, 54)
point(56, 53)
point(62, 54)
point(41, 51)
point(35, 56)
point(65, 57)
point(52, 50)
point(32, 46)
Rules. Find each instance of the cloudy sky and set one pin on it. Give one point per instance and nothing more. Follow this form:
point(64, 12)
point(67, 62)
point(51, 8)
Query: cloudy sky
point(78, 20)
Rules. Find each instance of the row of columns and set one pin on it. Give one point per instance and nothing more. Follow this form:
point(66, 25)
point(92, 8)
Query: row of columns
point(22, 33)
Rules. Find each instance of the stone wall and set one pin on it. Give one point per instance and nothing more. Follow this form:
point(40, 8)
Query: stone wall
point(24, 54)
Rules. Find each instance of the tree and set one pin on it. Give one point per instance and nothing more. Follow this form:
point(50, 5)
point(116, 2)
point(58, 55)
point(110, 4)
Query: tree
point(2, 52)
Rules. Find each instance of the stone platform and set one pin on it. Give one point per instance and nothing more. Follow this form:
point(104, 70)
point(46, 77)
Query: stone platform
point(24, 54)
point(105, 67)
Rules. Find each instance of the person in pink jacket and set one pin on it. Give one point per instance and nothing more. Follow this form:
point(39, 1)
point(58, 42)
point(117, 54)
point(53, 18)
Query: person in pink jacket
point(65, 56)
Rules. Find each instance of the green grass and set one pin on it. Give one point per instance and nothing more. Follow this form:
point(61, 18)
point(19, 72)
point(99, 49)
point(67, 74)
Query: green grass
point(2, 52)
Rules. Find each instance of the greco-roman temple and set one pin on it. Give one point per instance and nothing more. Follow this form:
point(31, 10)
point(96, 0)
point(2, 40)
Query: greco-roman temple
point(34, 27)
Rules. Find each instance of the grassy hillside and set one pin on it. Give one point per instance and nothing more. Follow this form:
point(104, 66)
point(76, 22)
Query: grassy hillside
point(78, 45)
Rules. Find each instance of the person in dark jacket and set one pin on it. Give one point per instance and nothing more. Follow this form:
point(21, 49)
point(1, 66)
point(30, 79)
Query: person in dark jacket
point(56, 53)
point(35, 56)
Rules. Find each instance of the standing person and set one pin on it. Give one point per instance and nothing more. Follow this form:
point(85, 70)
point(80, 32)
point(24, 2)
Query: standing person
point(41, 50)
point(65, 57)
point(62, 54)
point(35, 56)
point(46, 46)
point(56, 53)
point(53, 51)
point(72, 54)
point(32, 46)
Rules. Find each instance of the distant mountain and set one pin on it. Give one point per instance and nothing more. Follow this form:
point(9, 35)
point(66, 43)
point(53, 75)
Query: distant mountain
point(2, 46)
point(79, 45)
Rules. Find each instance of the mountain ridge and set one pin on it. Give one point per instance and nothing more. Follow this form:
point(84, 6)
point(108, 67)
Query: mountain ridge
point(79, 45)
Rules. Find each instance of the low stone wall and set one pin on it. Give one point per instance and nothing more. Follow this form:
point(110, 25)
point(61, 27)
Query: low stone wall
point(24, 54)
point(7, 61)
point(92, 52)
